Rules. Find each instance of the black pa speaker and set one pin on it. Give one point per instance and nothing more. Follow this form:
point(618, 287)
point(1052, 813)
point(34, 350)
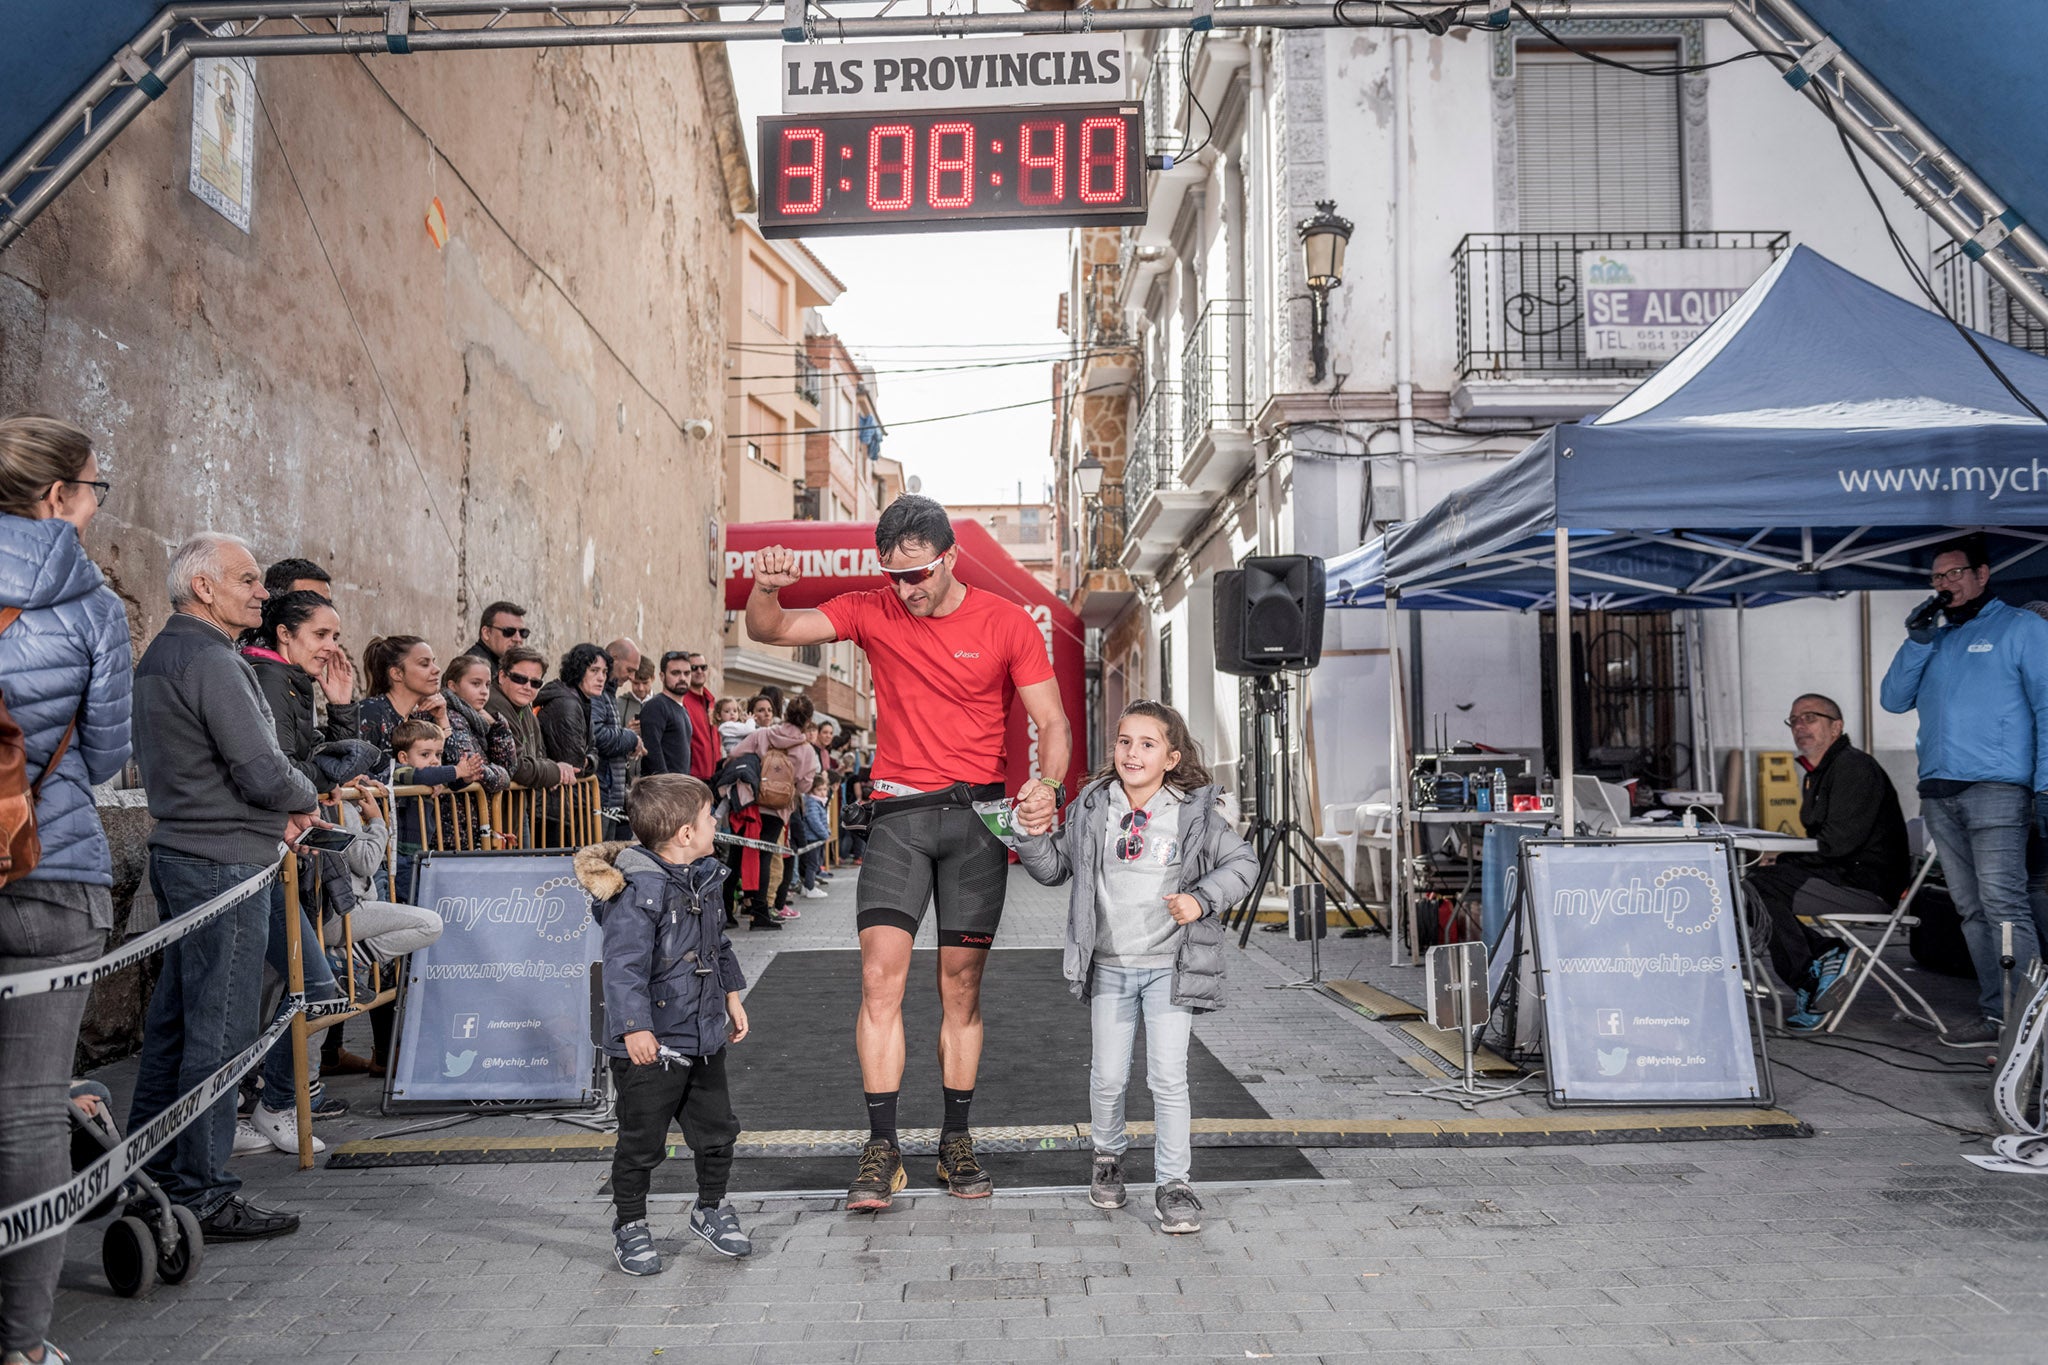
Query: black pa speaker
point(1229, 629)
point(1283, 610)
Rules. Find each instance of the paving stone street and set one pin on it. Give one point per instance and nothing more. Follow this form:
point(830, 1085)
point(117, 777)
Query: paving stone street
point(1870, 1241)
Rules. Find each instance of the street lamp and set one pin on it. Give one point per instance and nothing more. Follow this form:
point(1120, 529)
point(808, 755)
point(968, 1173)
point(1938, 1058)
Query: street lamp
point(1322, 247)
point(1088, 477)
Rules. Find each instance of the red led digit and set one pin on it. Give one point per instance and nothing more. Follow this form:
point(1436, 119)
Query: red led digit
point(939, 164)
point(1042, 146)
point(1100, 153)
point(898, 166)
point(810, 172)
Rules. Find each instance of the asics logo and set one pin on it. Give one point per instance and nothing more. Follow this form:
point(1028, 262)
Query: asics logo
point(965, 654)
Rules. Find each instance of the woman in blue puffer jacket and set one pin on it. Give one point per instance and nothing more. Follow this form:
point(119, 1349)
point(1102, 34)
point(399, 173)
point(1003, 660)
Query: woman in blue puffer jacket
point(64, 662)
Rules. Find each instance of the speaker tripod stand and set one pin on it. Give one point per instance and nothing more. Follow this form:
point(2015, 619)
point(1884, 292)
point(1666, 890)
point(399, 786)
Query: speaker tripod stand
point(1284, 846)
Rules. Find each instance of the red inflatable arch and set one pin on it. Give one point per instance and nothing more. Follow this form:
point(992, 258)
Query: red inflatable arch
point(839, 556)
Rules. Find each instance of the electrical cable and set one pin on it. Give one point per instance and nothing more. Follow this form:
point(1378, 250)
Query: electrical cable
point(1660, 69)
point(1944, 1068)
point(362, 339)
point(903, 421)
point(1878, 1099)
point(961, 368)
point(1187, 81)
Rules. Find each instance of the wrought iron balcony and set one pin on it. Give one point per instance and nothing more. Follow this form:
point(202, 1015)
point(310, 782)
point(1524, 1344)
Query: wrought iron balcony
point(1154, 461)
point(1106, 524)
point(807, 381)
point(1520, 313)
point(1212, 372)
point(1165, 98)
point(1982, 304)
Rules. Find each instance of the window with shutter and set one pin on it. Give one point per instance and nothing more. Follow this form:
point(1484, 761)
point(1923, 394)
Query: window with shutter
point(1597, 149)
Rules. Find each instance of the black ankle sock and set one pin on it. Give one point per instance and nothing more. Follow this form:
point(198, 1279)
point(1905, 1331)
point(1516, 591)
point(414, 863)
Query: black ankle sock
point(957, 1103)
point(882, 1114)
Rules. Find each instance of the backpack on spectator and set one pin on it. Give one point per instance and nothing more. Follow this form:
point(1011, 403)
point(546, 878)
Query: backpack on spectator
point(20, 849)
point(778, 779)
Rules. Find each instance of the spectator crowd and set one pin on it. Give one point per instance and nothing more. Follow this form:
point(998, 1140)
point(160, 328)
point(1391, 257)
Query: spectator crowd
point(252, 719)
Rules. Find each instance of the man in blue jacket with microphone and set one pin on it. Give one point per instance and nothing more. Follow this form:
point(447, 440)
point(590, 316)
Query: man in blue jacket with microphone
point(1977, 671)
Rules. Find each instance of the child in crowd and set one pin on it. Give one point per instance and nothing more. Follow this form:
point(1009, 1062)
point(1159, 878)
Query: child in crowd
point(671, 1003)
point(1153, 862)
point(733, 726)
point(815, 824)
point(416, 753)
point(383, 932)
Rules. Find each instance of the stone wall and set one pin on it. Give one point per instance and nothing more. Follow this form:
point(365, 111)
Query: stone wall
point(439, 426)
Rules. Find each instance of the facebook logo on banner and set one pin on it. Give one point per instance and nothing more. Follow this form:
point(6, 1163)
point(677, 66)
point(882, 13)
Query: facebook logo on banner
point(465, 1026)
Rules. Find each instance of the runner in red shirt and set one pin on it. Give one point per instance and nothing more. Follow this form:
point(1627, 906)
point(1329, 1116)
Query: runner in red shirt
point(946, 661)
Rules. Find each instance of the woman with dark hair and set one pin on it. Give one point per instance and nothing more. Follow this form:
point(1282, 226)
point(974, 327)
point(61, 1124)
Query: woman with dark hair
point(404, 683)
point(564, 707)
point(786, 739)
point(297, 656)
point(472, 729)
point(64, 654)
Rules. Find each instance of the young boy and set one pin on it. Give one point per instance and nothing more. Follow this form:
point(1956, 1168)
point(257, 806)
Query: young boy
point(671, 1003)
point(416, 746)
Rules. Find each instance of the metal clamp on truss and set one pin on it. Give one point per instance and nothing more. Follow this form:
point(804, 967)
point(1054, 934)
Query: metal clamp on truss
point(1994, 231)
point(1202, 16)
point(793, 20)
point(398, 28)
point(136, 69)
point(1807, 67)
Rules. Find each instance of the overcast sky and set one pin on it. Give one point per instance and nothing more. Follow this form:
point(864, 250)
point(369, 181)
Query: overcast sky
point(914, 301)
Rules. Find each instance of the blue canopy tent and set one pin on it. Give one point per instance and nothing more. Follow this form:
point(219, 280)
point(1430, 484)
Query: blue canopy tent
point(1817, 439)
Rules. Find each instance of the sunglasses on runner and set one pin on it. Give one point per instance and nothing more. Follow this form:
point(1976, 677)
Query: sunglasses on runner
point(912, 577)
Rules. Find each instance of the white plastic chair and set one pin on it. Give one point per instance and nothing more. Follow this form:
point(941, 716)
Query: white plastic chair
point(1375, 823)
point(1339, 838)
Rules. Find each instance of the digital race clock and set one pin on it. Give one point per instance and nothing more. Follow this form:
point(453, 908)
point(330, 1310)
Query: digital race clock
point(961, 169)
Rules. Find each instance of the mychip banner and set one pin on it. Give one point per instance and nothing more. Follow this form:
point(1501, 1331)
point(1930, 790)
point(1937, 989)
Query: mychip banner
point(498, 1009)
point(1639, 950)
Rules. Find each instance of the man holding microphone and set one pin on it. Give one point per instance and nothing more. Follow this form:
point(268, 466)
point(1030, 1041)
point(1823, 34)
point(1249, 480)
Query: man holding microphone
point(1977, 672)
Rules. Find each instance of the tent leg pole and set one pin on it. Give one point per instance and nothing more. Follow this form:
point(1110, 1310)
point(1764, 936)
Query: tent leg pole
point(1567, 817)
point(1742, 725)
point(1397, 790)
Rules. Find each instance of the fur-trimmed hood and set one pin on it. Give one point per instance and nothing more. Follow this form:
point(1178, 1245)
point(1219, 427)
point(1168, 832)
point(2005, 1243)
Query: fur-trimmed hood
point(597, 869)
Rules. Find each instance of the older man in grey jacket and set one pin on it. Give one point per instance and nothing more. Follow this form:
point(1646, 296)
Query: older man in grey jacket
point(224, 796)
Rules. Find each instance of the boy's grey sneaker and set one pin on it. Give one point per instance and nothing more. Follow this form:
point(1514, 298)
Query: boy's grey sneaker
point(1106, 1182)
point(633, 1248)
point(721, 1228)
point(1830, 981)
point(1175, 1206)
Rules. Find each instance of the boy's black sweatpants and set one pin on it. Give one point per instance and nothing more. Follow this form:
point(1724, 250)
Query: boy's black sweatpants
point(649, 1097)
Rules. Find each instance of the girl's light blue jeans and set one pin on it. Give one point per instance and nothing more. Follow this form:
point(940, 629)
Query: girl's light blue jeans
point(1118, 997)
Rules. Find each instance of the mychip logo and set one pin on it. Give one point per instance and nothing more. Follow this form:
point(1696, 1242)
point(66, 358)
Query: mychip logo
point(1685, 898)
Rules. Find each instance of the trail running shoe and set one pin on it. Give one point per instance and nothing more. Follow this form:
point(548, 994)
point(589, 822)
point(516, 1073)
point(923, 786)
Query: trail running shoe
point(959, 1172)
point(1805, 1021)
point(721, 1228)
point(1830, 981)
point(1175, 1206)
point(879, 1178)
point(633, 1248)
point(1106, 1182)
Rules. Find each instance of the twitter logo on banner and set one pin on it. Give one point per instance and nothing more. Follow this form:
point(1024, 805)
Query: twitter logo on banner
point(459, 1062)
point(1612, 1061)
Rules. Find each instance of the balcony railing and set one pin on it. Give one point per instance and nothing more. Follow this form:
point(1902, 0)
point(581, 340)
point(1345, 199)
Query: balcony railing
point(1106, 525)
point(1519, 307)
point(1106, 328)
point(1973, 298)
point(1212, 372)
point(1155, 448)
point(807, 385)
point(1165, 94)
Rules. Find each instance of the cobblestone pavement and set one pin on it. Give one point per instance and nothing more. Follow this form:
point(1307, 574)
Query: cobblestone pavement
point(1872, 1241)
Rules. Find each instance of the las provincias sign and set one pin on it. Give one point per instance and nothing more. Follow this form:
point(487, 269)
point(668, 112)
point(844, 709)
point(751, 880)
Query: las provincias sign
point(958, 74)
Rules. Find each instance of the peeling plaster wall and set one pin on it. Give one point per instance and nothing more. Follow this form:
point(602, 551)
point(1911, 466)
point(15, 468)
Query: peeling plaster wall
point(537, 368)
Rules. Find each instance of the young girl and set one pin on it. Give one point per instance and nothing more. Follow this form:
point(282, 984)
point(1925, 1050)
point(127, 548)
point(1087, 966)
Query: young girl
point(1153, 862)
point(733, 725)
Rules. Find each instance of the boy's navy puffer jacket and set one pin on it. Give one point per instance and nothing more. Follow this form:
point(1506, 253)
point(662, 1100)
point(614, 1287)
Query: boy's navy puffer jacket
point(667, 961)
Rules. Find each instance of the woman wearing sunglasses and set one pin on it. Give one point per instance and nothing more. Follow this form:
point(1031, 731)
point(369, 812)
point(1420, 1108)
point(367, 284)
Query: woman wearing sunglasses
point(946, 659)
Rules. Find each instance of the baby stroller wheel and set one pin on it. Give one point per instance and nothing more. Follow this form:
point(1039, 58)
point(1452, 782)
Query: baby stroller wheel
point(178, 1263)
point(128, 1253)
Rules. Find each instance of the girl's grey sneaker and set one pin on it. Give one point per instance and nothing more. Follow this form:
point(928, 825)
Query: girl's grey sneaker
point(633, 1246)
point(1106, 1182)
point(721, 1228)
point(1176, 1207)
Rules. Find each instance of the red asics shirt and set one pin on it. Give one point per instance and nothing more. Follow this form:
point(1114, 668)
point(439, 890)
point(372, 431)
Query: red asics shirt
point(943, 684)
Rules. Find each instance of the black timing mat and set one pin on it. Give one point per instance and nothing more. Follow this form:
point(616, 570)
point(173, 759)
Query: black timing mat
point(797, 1071)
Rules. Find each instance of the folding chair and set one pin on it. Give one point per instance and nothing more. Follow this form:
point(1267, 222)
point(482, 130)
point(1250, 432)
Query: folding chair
point(1866, 956)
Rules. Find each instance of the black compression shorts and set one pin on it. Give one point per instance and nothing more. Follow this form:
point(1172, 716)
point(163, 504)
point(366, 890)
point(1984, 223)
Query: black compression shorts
point(933, 846)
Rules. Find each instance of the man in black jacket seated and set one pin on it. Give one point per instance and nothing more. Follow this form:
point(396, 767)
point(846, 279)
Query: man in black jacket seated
point(1849, 806)
point(664, 723)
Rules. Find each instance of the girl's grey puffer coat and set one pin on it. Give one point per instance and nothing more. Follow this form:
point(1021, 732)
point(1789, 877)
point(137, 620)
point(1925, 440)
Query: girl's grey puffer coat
point(67, 655)
point(1216, 868)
